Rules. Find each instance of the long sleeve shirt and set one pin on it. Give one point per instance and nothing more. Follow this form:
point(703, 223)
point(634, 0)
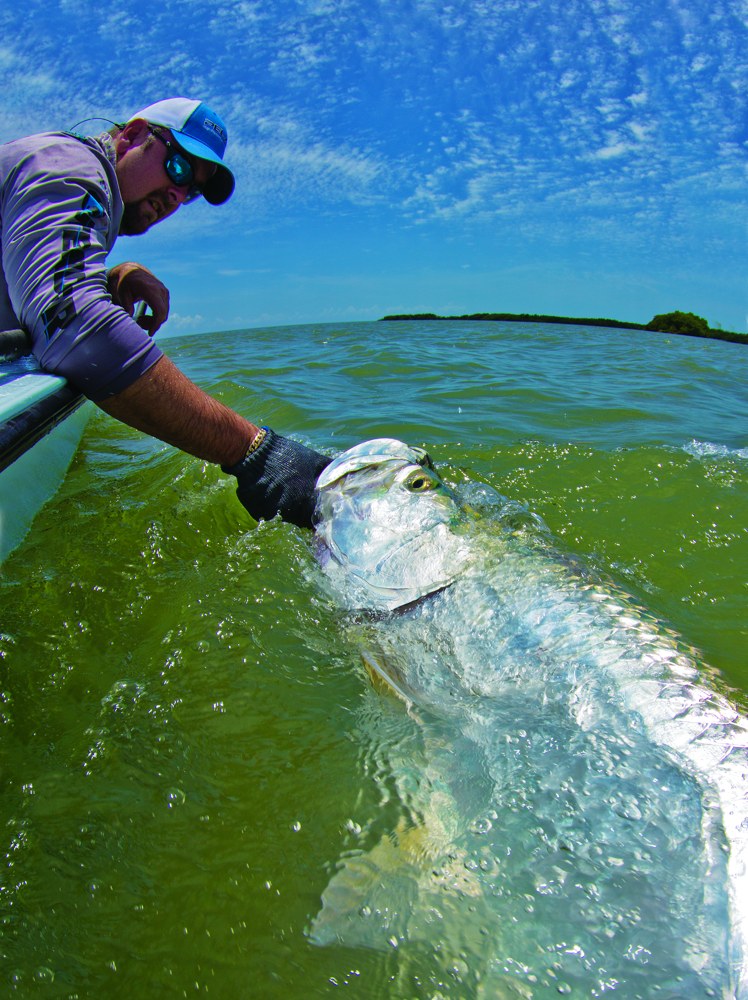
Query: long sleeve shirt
point(60, 212)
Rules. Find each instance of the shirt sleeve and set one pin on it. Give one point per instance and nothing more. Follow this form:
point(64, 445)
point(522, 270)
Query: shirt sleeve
point(57, 222)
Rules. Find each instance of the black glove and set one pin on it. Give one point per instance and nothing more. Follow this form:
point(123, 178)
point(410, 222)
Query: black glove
point(278, 477)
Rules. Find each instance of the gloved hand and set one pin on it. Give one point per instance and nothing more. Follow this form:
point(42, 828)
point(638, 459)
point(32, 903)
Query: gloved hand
point(278, 477)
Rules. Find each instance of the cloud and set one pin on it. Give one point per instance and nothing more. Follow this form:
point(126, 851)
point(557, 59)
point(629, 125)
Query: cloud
point(612, 150)
point(182, 322)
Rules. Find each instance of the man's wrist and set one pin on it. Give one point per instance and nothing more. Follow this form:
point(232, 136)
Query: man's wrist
point(261, 436)
point(256, 441)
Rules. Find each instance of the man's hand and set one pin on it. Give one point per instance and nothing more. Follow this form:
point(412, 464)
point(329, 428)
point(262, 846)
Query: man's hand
point(130, 283)
point(278, 477)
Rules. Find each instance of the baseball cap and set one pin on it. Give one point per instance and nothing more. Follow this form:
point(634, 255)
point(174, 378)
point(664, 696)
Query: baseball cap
point(200, 132)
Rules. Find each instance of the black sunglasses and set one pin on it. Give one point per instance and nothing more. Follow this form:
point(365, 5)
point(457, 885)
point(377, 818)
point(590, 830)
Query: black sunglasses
point(178, 168)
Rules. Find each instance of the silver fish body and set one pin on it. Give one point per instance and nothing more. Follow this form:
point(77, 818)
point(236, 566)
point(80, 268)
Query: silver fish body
point(582, 813)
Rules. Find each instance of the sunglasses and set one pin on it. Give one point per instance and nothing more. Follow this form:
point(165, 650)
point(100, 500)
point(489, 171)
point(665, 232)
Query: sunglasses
point(178, 168)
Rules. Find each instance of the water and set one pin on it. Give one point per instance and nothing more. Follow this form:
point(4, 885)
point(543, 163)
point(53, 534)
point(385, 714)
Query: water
point(188, 741)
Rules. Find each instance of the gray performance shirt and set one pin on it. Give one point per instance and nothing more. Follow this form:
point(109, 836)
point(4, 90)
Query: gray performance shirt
point(60, 211)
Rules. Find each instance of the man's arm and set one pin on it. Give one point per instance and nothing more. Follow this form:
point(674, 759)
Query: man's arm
point(56, 234)
point(59, 213)
point(166, 404)
point(275, 475)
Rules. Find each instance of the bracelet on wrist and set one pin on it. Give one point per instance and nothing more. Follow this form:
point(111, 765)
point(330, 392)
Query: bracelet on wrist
point(257, 441)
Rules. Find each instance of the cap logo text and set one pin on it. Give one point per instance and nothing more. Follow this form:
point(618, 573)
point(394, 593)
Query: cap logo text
point(214, 127)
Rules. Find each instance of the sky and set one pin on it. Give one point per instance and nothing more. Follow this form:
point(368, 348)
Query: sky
point(568, 157)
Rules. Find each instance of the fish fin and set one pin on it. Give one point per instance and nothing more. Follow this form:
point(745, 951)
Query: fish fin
point(396, 892)
point(384, 676)
point(367, 901)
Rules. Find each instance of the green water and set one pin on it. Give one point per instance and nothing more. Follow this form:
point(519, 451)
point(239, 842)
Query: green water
point(188, 742)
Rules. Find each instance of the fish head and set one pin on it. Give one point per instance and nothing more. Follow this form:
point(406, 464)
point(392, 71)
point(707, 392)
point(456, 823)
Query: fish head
point(386, 526)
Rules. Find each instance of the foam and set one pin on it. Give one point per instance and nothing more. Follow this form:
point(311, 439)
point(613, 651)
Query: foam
point(707, 449)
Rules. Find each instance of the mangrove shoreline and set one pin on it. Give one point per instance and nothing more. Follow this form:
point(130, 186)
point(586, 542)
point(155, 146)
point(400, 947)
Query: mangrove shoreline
point(711, 334)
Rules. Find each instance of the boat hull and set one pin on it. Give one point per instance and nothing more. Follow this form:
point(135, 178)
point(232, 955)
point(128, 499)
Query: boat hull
point(42, 419)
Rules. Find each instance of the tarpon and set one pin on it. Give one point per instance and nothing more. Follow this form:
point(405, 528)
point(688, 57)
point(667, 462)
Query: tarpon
point(576, 820)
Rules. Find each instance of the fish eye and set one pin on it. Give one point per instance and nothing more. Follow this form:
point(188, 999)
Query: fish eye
point(419, 483)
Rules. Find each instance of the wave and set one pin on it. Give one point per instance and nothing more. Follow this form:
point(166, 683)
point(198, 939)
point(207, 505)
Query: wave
point(707, 449)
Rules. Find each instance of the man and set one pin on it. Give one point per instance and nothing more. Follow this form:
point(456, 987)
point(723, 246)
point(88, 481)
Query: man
point(64, 198)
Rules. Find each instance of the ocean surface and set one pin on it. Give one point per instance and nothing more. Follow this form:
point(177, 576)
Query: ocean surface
point(188, 740)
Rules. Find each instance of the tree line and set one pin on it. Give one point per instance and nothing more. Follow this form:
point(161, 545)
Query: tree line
point(687, 324)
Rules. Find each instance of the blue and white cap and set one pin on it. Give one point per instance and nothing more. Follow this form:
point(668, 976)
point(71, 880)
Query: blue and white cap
point(200, 132)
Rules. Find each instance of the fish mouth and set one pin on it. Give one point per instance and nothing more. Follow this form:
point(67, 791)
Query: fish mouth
point(364, 614)
point(394, 577)
point(417, 602)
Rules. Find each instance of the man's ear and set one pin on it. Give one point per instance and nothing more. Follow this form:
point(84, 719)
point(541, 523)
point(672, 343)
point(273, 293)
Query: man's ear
point(133, 134)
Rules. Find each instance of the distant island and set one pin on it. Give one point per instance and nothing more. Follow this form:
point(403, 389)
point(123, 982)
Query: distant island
point(681, 323)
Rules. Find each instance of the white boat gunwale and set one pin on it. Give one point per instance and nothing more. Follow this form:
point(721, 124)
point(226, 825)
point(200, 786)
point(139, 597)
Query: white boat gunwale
point(37, 437)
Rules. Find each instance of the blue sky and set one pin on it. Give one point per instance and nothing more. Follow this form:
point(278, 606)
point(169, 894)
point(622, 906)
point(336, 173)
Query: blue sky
point(578, 157)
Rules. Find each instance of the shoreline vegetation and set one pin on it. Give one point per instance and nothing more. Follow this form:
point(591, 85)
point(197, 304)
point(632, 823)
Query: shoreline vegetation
point(680, 323)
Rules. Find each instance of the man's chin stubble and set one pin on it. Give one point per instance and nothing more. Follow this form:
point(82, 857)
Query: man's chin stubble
point(133, 222)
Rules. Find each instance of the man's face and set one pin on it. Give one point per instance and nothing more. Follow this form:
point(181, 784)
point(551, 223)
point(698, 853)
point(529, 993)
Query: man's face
point(148, 193)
